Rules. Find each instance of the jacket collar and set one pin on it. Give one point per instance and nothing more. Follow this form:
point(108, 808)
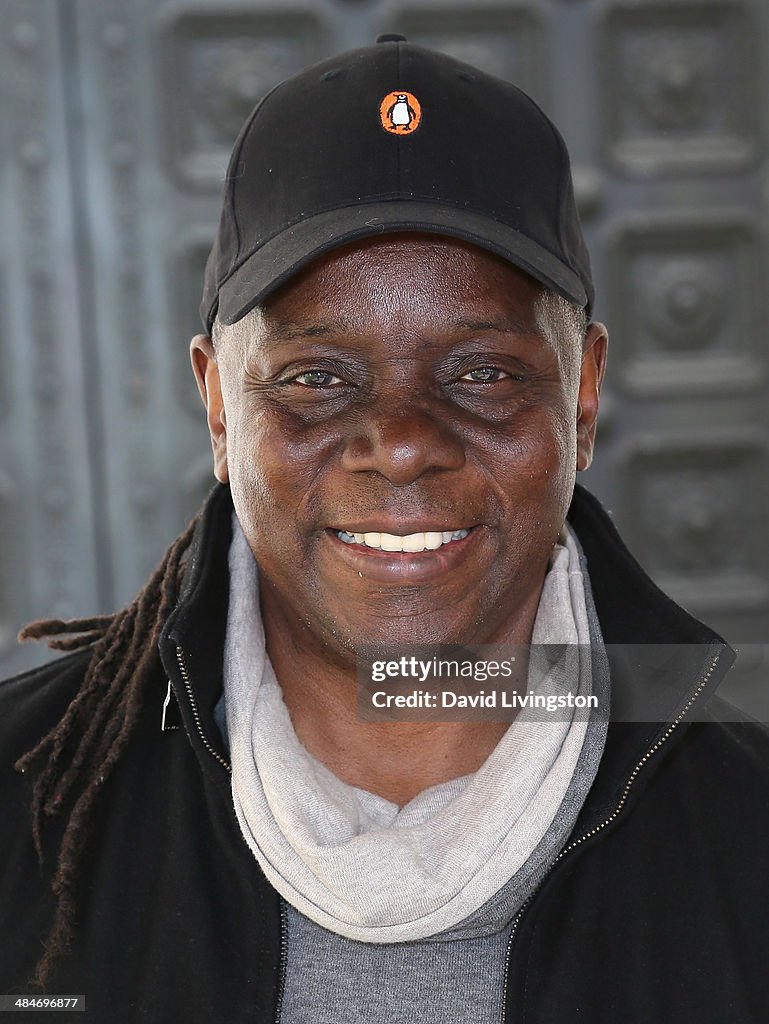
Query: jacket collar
point(664, 663)
point(648, 637)
point(191, 644)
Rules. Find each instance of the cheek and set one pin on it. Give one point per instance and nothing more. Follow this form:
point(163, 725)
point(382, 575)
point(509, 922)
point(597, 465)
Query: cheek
point(559, 465)
point(538, 445)
point(249, 462)
point(536, 467)
point(274, 462)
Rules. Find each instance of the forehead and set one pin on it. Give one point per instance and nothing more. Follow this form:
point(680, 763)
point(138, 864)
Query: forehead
point(407, 275)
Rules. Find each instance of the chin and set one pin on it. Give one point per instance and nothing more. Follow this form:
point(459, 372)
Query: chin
point(410, 631)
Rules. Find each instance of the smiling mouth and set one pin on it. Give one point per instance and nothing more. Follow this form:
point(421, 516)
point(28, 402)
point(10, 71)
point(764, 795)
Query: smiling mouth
point(412, 542)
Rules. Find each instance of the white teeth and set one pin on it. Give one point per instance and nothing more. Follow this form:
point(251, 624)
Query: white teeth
point(414, 542)
point(389, 542)
point(392, 542)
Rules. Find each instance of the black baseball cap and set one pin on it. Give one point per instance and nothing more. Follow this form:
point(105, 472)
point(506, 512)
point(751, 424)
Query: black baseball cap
point(393, 137)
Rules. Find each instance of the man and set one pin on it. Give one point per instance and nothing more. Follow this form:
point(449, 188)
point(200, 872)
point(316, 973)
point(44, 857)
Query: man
point(401, 380)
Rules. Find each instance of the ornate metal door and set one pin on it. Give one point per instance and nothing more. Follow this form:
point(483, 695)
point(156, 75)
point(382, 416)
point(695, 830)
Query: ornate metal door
point(116, 125)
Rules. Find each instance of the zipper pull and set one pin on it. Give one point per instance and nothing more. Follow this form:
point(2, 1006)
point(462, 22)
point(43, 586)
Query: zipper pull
point(170, 718)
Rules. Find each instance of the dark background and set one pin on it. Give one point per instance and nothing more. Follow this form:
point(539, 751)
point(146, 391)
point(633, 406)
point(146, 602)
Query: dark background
point(117, 118)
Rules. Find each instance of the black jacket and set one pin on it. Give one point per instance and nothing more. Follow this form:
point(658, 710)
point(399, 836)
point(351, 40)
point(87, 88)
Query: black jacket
point(655, 911)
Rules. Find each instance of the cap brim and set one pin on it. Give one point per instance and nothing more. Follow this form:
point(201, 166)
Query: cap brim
point(282, 256)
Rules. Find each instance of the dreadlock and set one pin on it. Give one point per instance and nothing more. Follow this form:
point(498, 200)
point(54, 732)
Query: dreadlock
point(77, 756)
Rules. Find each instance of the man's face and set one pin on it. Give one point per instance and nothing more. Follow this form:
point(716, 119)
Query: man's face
point(406, 385)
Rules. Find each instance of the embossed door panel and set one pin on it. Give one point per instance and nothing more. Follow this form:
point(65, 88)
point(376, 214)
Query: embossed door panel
point(682, 260)
point(49, 528)
point(114, 148)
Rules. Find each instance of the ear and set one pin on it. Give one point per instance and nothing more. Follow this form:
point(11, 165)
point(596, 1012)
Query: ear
point(591, 378)
point(206, 370)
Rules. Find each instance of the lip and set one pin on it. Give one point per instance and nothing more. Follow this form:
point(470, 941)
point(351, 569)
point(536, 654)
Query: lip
point(404, 566)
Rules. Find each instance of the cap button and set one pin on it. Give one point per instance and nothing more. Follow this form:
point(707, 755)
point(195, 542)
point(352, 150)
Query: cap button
point(391, 37)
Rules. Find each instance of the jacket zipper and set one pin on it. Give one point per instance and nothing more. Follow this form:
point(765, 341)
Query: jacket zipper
point(508, 951)
point(283, 959)
point(213, 753)
point(195, 712)
point(598, 828)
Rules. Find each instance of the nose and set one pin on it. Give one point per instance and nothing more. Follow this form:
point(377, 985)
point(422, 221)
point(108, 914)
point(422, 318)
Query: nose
point(403, 441)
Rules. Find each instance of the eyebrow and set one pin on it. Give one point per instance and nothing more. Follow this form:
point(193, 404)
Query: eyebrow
point(294, 330)
point(507, 325)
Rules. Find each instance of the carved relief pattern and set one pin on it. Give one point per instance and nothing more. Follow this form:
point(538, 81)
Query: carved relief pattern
point(127, 327)
point(673, 82)
point(499, 40)
point(32, 43)
point(679, 87)
point(232, 75)
point(685, 293)
point(218, 67)
point(685, 305)
point(689, 516)
point(692, 524)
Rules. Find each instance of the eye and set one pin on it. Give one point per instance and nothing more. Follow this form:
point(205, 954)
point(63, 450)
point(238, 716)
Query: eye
point(485, 375)
point(316, 379)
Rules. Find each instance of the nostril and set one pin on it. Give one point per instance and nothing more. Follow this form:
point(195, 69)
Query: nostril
point(402, 444)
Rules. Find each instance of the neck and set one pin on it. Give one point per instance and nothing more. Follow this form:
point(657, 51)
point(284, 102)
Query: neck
point(393, 759)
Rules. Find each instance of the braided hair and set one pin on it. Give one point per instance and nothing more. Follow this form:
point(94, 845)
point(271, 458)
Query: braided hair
point(76, 757)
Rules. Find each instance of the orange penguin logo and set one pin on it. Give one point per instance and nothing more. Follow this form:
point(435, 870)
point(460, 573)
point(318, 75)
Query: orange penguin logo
point(400, 113)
